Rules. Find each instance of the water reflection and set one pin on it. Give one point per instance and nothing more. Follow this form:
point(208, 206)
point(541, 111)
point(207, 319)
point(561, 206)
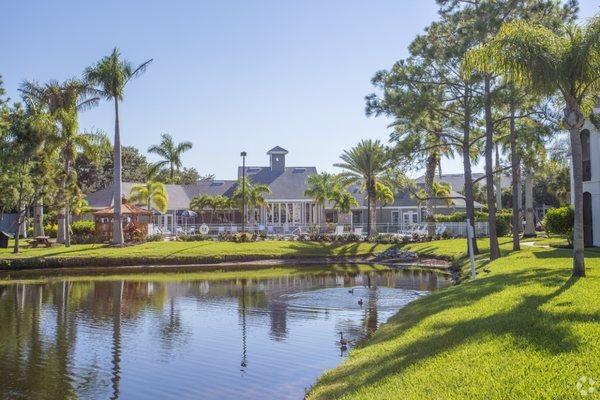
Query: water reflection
point(242, 339)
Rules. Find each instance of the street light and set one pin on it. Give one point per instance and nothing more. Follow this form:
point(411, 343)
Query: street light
point(243, 155)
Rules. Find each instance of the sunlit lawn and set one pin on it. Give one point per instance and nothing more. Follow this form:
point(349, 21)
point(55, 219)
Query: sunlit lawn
point(180, 252)
point(525, 330)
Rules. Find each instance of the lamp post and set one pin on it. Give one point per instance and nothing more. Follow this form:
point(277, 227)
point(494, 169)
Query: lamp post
point(243, 154)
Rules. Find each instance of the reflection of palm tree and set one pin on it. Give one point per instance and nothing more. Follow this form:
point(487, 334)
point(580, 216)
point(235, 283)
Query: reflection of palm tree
point(370, 320)
point(244, 362)
point(116, 342)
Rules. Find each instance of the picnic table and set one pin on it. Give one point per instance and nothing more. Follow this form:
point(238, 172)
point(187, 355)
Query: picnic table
point(38, 240)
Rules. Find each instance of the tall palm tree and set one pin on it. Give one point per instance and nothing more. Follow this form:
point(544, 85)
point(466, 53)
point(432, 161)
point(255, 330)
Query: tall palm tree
point(364, 163)
point(110, 75)
point(64, 101)
point(170, 152)
point(547, 62)
point(151, 194)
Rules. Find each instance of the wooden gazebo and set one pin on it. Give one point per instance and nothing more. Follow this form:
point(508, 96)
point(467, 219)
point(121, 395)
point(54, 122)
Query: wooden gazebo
point(134, 218)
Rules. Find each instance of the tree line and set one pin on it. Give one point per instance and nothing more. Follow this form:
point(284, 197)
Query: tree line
point(48, 163)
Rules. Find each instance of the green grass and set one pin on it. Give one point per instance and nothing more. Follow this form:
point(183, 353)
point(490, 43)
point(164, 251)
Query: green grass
point(178, 253)
point(85, 275)
point(525, 330)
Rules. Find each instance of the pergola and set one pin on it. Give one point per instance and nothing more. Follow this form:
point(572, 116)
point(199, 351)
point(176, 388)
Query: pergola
point(132, 215)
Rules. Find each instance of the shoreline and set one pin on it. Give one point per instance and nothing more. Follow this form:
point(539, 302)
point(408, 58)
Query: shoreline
point(212, 265)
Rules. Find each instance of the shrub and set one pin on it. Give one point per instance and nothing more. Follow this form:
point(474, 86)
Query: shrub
point(503, 221)
point(51, 230)
point(83, 227)
point(155, 238)
point(194, 238)
point(85, 238)
point(237, 237)
point(559, 221)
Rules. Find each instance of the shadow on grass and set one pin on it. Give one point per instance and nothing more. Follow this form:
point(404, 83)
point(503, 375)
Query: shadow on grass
point(526, 323)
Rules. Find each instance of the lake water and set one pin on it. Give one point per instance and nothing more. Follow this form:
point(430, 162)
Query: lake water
point(191, 339)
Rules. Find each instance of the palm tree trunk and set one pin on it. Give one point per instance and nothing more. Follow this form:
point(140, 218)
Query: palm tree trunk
point(529, 219)
point(429, 177)
point(498, 180)
point(466, 154)
point(117, 221)
point(38, 217)
point(373, 210)
point(61, 229)
point(516, 171)
point(576, 159)
point(489, 173)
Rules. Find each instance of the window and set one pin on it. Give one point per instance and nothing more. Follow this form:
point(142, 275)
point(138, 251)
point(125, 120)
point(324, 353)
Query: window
point(356, 217)
point(396, 217)
point(330, 217)
point(585, 155)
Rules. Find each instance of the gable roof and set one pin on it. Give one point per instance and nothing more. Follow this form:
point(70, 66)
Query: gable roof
point(277, 150)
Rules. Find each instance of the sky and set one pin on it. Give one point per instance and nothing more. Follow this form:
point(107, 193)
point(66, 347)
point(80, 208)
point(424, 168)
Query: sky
point(229, 76)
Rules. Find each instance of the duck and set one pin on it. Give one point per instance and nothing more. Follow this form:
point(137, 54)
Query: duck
point(351, 291)
point(343, 342)
point(360, 302)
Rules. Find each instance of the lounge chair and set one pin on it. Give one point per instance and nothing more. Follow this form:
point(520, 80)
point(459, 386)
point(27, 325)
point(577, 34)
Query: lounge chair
point(339, 230)
point(221, 229)
point(358, 231)
point(234, 229)
point(270, 230)
point(286, 229)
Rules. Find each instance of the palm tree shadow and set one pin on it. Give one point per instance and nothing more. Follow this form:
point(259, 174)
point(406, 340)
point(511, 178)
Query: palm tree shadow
point(521, 323)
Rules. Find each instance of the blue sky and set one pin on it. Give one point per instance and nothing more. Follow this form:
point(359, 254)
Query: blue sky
point(227, 75)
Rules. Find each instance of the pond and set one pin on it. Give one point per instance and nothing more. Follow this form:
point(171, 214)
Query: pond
point(180, 338)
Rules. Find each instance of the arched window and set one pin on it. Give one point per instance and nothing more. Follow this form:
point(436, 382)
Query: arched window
point(585, 153)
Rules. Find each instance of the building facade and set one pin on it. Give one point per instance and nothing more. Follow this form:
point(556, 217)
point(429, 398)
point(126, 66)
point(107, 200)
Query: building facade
point(286, 205)
point(590, 145)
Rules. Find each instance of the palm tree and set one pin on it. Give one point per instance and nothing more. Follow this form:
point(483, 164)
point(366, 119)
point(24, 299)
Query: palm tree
point(110, 75)
point(200, 203)
point(384, 194)
point(170, 152)
point(254, 194)
point(150, 194)
point(364, 163)
point(343, 201)
point(219, 203)
point(64, 101)
point(545, 61)
point(320, 187)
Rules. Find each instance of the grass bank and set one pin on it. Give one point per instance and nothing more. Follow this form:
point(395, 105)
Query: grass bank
point(525, 330)
point(171, 253)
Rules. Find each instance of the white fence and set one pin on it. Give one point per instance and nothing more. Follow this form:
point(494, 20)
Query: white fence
point(448, 228)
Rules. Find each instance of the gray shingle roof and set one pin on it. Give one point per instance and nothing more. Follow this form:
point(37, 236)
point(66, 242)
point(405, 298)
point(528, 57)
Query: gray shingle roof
point(457, 181)
point(277, 150)
point(404, 199)
point(179, 195)
point(288, 184)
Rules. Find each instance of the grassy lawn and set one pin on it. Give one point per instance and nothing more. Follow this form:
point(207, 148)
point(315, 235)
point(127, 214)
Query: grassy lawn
point(525, 330)
point(178, 253)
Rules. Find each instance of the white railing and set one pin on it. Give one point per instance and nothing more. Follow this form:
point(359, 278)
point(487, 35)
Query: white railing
point(447, 228)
